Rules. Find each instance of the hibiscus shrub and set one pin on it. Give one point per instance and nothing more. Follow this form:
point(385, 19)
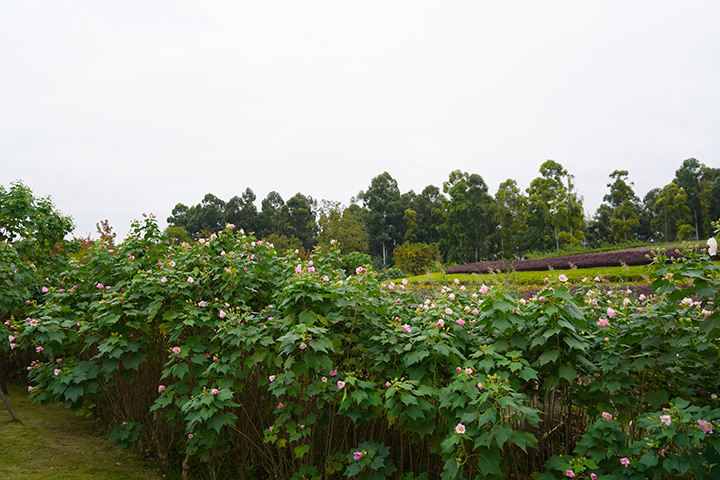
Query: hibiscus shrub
point(223, 358)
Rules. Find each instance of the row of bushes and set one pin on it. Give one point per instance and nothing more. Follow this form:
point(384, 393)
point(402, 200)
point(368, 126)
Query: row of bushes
point(226, 360)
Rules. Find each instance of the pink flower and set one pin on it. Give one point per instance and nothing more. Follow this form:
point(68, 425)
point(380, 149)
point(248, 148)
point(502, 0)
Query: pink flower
point(202, 303)
point(340, 384)
point(666, 419)
point(333, 373)
point(541, 299)
point(713, 396)
point(303, 346)
point(99, 285)
point(452, 296)
point(56, 371)
point(406, 328)
point(311, 270)
point(484, 288)
point(30, 388)
point(271, 378)
point(324, 379)
point(564, 278)
point(172, 263)
point(326, 278)
point(298, 269)
point(33, 323)
point(163, 279)
point(271, 428)
point(357, 455)
point(359, 270)
point(222, 314)
point(387, 384)
point(603, 322)
point(475, 311)
point(440, 323)
point(607, 416)
point(176, 350)
point(161, 388)
point(706, 427)
point(190, 436)
point(460, 429)
point(611, 312)
point(479, 385)
point(214, 391)
point(39, 349)
point(229, 271)
point(458, 369)
point(448, 311)
point(569, 473)
point(280, 405)
point(190, 280)
point(44, 289)
point(593, 476)
point(625, 461)
point(460, 321)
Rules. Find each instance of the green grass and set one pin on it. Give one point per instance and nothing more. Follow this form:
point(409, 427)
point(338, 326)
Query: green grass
point(629, 275)
point(52, 443)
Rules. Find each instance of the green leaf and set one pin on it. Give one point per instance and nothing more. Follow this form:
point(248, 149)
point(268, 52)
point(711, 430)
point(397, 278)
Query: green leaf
point(568, 373)
point(301, 450)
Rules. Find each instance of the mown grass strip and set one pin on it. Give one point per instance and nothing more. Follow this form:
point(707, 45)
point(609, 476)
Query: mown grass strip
point(52, 443)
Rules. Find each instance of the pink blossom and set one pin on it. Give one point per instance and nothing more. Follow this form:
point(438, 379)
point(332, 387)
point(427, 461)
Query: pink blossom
point(475, 311)
point(569, 473)
point(611, 312)
point(468, 370)
point(163, 279)
point(480, 386)
point(39, 349)
point(161, 388)
point(460, 321)
point(303, 346)
point(190, 436)
point(44, 289)
point(172, 263)
point(541, 299)
point(271, 428)
point(298, 269)
point(56, 371)
point(607, 416)
point(190, 280)
point(222, 314)
point(563, 278)
point(30, 388)
point(593, 476)
point(359, 270)
point(387, 384)
point(271, 378)
point(666, 419)
point(324, 379)
point(406, 328)
point(603, 322)
point(333, 373)
point(458, 369)
point(452, 296)
point(176, 350)
point(311, 270)
point(448, 311)
point(99, 285)
point(625, 461)
point(440, 323)
point(229, 271)
point(340, 384)
point(214, 391)
point(326, 278)
point(484, 288)
point(357, 455)
point(713, 396)
point(280, 405)
point(459, 428)
point(706, 427)
point(202, 303)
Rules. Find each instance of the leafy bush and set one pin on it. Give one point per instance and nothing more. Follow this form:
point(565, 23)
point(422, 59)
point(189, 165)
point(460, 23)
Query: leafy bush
point(239, 362)
point(415, 258)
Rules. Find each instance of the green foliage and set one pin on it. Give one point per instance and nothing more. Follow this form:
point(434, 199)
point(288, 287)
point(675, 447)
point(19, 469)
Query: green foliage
point(415, 258)
point(237, 359)
point(344, 227)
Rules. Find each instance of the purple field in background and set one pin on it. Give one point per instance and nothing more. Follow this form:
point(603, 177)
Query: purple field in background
point(587, 260)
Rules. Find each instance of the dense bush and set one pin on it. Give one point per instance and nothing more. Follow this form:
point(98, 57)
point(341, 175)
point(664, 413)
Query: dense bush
point(415, 258)
point(225, 359)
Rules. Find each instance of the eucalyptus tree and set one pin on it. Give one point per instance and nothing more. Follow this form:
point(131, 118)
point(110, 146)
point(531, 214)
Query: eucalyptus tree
point(510, 217)
point(344, 226)
point(554, 206)
point(383, 215)
point(622, 200)
point(468, 219)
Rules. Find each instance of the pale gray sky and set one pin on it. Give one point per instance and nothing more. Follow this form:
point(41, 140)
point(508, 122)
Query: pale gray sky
point(119, 108)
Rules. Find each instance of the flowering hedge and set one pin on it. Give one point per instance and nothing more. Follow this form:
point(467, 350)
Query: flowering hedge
point(225, 359)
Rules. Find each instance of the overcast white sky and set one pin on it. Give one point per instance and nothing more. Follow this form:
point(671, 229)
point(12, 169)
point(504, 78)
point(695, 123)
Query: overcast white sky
point(119, 108)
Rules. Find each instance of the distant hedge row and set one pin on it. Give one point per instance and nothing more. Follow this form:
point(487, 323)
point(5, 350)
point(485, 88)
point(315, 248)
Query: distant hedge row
point(587, 260)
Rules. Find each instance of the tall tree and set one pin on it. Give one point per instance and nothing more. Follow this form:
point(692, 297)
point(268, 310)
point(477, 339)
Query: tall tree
point(623, 202)
point(269, 219)
point(510, 217)
point(555, 206)
point(297, 219)
point(428, 206)
point(468, 219)
point(242, 212)
point(383, 215)
point(599, 230)
point(344, 225)
point(207, 216)
point(673, 212)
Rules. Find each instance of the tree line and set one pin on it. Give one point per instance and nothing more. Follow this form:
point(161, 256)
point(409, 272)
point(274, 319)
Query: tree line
point(464, 220)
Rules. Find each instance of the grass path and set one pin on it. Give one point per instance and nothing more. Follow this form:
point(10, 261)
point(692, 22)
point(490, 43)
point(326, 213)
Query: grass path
point(52, 443)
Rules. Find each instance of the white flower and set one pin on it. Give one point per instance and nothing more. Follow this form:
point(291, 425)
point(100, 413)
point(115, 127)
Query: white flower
point(712, 246)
